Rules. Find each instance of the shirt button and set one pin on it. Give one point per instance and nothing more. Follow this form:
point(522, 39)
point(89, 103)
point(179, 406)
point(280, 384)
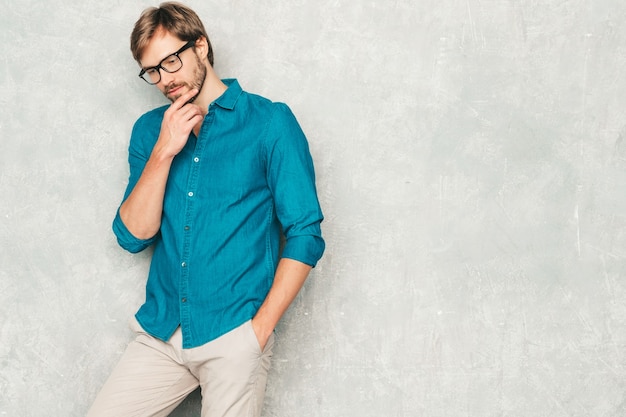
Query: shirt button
point(184, 300)
point(190, 193)
point(187, 227)
point(196, 159)
point(184, 264)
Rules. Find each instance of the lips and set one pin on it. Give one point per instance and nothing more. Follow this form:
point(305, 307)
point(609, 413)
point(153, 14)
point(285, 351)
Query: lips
point(173, 90)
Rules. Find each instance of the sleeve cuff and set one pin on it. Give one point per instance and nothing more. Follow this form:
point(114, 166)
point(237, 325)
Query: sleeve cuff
point(126, 239)
point(307, 249)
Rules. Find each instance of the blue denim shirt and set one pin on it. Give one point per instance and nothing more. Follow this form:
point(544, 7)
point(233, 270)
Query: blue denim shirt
point(232, 192)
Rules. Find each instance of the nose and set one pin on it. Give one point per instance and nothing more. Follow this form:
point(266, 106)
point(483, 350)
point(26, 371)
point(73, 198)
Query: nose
point(166, 78)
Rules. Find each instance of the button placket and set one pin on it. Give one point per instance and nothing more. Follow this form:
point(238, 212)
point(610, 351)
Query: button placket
point(185, 292)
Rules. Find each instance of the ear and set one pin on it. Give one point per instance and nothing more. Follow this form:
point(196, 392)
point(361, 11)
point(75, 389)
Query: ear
point(202, 48)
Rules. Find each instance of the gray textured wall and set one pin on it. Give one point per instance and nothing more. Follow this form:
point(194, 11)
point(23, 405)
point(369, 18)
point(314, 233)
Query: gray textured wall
point(471, 163)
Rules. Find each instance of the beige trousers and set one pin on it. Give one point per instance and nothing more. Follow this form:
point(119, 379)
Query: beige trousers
point(153, 377)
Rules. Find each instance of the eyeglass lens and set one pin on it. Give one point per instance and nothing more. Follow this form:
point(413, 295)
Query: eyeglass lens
point(170, 64)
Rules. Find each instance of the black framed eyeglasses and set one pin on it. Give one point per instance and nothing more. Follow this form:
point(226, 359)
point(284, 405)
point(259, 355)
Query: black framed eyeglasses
point(170, 64)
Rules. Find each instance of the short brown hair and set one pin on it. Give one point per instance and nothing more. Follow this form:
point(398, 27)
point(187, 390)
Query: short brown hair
point(176, 18)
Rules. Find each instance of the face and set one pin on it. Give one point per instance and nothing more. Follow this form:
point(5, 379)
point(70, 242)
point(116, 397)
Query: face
point(191, 75)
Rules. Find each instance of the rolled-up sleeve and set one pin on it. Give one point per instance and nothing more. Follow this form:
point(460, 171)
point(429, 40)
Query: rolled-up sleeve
point(126, 239)
point(291, 178)
point(138, 156)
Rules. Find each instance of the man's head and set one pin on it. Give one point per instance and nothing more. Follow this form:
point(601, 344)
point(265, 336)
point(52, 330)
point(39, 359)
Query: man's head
point(173, 49)
point(175, 18)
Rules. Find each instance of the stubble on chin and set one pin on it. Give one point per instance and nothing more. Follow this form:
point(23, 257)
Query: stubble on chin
point(198, 82)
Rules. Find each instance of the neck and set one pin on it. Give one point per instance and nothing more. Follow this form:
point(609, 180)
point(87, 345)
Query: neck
point(212, 88)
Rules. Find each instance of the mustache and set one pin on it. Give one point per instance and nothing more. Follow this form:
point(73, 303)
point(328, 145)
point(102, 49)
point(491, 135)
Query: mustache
point(171, 87)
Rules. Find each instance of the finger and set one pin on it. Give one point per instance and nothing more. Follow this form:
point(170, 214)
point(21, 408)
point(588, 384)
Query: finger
point(189, 111)
point(189, 116)
point(182, 100)
point(193, 121)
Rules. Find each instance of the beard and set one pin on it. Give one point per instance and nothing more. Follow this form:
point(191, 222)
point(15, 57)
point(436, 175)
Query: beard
point(199, 76)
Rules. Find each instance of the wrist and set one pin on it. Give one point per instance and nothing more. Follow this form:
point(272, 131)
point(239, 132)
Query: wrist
point(160, 153)
point(263, 330)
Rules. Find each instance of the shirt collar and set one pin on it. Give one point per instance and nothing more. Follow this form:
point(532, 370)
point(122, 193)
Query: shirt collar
point(230, 96)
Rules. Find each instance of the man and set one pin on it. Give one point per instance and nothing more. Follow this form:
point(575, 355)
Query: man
point(216, 178)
